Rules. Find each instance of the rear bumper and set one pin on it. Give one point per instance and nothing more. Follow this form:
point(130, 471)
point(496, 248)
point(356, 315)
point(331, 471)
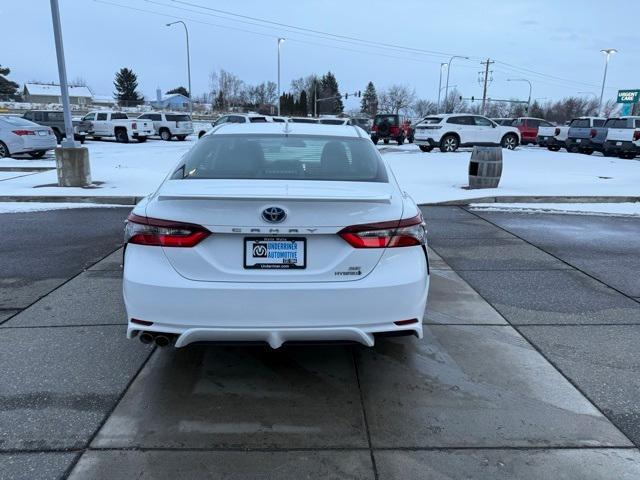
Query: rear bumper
point(616, 147)
point(142, 133)
point(429, 142)
point(584, 143)
point(25, 145)
point(548, 141)
point(273, 312)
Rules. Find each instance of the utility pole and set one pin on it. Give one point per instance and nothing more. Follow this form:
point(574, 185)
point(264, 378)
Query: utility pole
point(440, 85)
point(487, 64)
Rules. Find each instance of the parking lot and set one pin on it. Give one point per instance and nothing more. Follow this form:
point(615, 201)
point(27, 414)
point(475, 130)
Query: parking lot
point(528, 368)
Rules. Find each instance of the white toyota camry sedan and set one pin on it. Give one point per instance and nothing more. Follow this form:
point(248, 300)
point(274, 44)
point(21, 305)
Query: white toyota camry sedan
point(276, 232)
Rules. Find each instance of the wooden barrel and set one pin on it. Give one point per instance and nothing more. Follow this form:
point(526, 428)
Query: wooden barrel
point(485, 167)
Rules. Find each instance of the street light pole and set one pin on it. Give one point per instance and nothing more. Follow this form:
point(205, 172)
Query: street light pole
point(186, 31)
point(607, 52)
point(530, 88)
point(280, 40)
point(446, 91)
point(440, 86)
point(68, 141)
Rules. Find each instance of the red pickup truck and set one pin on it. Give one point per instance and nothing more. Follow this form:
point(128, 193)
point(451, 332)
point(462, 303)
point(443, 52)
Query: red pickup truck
point(528, 127)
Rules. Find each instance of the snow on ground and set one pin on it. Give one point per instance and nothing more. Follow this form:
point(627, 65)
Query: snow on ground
point(622, 209)
point(19, 207)
point(136, 169)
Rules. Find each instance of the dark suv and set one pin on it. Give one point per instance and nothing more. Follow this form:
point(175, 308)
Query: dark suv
point(387, 127)
point(55, 120)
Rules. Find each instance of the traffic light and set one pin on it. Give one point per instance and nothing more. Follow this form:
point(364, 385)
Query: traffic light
point(359, 93)
point(473, 99)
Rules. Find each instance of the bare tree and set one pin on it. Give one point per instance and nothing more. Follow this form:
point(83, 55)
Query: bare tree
point(226, 88)
point(421, 108)
point(396, 98)
point(453, 103)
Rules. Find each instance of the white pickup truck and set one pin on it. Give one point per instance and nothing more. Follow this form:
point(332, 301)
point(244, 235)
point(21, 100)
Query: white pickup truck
point(623, 137)
point(169, 125)
point(118, 125)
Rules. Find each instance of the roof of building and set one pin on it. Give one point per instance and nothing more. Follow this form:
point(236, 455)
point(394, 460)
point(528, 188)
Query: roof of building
point(174, 95)
point(54, 90)
point(288, 128)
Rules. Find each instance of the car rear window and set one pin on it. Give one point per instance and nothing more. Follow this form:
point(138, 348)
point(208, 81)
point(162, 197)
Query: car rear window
point(431, 121)
point(391, 119)
point(580, 123)
point(291, 157)
point(303, 120)
point(332, 121)
point(178, 118)
point(19, 122)
point(119, 116)
point(257, 120)
point(617, 123)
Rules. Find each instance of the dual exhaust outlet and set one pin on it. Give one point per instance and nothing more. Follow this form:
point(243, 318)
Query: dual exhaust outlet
point(160, 339)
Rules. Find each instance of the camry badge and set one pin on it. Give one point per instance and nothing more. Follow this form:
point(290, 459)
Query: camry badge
point(274, 214)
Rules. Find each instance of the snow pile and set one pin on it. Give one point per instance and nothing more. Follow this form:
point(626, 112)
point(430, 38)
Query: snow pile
point(619, 209)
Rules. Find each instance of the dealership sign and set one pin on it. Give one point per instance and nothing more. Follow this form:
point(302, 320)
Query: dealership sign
point(628, 96)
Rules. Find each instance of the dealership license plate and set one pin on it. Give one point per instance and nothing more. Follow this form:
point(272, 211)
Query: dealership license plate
point(578, 140)
point(618, 144)
point(275, 252)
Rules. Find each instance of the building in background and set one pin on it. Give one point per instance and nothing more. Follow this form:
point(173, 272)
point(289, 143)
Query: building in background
point(173, 101)
point(50, 93)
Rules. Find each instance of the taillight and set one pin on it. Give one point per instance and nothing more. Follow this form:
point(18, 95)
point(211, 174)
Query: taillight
point(162, 233)
point(593, 133)
point(636, 135)
point(398, 233)
point(374, 128)
point(24, 132)
point(557, 132)
point(134, 125)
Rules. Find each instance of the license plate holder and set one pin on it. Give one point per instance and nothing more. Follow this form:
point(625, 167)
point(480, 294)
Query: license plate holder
point(275, 253)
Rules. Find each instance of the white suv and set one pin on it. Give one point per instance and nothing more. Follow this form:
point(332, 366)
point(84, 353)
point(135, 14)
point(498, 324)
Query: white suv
point(169, 125)
point(235, 118)
point(450, 131)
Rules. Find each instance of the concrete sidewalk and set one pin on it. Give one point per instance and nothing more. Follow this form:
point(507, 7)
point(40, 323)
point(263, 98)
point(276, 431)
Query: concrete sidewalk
point(472, 400)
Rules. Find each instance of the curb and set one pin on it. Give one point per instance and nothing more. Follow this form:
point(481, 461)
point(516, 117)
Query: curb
point(102, 200)
point(537, 199)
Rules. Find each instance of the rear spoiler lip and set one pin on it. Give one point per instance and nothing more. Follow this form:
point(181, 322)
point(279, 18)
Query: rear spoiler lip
point(281, 198)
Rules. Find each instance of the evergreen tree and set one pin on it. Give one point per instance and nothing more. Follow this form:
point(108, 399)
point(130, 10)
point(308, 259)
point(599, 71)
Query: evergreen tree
point(303, 104)
point(369, 104)
point(329, 88)
point(7, 87)
point(181, 90)
point(126, 83)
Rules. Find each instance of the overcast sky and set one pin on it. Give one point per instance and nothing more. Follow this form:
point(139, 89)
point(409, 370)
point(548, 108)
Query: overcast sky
point(559, 39)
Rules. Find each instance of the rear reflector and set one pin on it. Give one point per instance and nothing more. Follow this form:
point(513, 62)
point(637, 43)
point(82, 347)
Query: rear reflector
point(397, 233)
point(163, 233)
point(636, 135)
point(593, 133)
point(400, 323)
point(141, 322)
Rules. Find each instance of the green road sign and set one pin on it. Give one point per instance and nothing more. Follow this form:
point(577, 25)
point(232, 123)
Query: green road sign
point(628, 96)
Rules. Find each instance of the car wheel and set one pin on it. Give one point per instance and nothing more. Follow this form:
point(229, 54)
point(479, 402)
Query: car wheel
point(386, 141)
point(509, 141)
point(425, 148)
point(586, 151)
point(410, 139)
point(553, 149)
point(142, 139)
point(400, 140)
point(58, 136)
point(608, 153)
point(4, 151)
point(374, 139)
point(165, 135)
point(121, 136)
point(181, 137)
point(449, 143)
point(573, 149)
point(82, 139)
point(38, 154)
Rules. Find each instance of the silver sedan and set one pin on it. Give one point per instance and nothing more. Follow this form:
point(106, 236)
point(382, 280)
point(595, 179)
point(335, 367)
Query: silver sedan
point(18, 135)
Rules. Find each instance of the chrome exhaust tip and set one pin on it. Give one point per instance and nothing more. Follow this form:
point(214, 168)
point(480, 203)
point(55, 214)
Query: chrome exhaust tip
point(162, 341)
point(146, 337)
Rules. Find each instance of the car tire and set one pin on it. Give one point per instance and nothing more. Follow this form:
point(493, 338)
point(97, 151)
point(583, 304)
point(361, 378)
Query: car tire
point(141, 139)
point(181, 138)
point(608, 153)
point(553, 149)
point(385, 141)
point(38, 154)
point(121, 136)
point(59, 136)
point(374, 139)
point(165, 135)
point(573, 149)
point(4, 151)
point(425, 148)
point(449, 143)
point(410, 139)
point(509, 141)
point(586, 151)
point(400, 140)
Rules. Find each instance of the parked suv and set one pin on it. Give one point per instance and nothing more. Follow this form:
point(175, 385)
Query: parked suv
point(234, 118)
point(388, 127)
point(169, 125)
point(529, 128)
point(448, 132)
point(55, 120)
